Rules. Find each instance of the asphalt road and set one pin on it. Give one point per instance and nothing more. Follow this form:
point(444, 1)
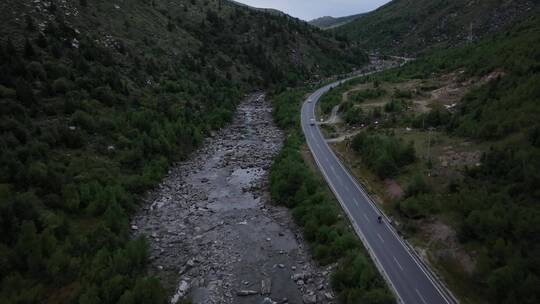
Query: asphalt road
point(403, 271)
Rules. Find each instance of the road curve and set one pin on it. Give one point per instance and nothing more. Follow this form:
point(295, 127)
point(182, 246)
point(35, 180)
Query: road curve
point(408, 277)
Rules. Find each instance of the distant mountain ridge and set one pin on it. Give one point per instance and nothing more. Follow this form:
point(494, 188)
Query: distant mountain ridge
point(328, 22)
point(272, 11)
point(414, 26)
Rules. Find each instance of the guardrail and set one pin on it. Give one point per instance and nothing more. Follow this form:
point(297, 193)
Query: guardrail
point(432, 275)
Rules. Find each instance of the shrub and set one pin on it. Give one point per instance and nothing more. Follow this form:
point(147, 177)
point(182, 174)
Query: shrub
point(61, 85)
point(37, 71)
point(6, 92)
point(83, 120)
point(418, 185)
point(25, 93)
point(382, 153)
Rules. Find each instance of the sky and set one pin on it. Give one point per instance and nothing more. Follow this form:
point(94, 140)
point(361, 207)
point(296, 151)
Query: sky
point(311, 9)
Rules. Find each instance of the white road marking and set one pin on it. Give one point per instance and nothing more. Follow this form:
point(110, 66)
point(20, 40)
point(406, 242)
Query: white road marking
point(357, 203)
point(399, 265)
point(311, 108)
point(380, 237)
point(420, 295)
point(367, 219)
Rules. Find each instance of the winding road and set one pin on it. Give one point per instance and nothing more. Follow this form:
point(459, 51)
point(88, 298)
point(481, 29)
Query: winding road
point(409, 278)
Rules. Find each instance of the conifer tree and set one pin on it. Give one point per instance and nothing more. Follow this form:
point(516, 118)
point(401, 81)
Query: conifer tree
point(29, 52)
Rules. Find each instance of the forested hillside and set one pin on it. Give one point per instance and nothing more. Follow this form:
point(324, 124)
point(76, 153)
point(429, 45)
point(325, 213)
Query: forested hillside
point(492, 204)
point(408, 27)
point(328, 22)
point(97, 98)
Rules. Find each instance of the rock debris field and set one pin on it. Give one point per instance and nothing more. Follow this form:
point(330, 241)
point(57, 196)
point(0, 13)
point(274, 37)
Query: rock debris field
point(214, 234)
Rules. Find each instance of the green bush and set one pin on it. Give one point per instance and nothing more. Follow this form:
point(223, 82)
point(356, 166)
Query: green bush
point(293, 184)
point(382, 153)
point(363, 95)
point(61, 85)
point(418, 185)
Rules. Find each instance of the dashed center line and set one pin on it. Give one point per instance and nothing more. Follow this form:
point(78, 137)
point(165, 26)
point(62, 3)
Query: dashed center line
point(367, 219)
point(380, 237)
point(399, 265)
point(421, 297)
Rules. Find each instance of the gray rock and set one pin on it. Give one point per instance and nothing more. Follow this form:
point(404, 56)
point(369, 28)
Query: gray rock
point(243, 293)
point(268, 301)
point(328, 296)
point(266, 286)
point(310, 298)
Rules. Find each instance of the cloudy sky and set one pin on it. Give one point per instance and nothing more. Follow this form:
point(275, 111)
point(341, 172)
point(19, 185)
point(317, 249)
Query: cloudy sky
point(310, 9)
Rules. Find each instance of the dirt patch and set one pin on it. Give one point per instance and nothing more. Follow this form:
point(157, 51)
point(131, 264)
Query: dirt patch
point(452, 89)
point(393, 189)
point(453, 159)
point(444, 245)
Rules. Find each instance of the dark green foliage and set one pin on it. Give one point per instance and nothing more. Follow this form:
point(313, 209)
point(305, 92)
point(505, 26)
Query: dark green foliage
point(384, 154)
point(354, 115)
point(91, 121)
point(30, 23)
point(418, 206)
point(411, 27)
point(88, 126)
point(394, 106)
point(330, 99)
point(402, 94)
point(363, 95)
point(417, 186)
point(433, 119)
point(357, 282)
point(495, 205)
point(29, 52)
point(294, 185)
point(534, 136)
point(25, 93)
point(498, 205)
point(334, 97)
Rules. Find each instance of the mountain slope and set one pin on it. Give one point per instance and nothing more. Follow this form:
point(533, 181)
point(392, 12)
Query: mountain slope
point(271, 11)
point(492, 204)
point(412, 26)
point(98, 98)
point(328, 22)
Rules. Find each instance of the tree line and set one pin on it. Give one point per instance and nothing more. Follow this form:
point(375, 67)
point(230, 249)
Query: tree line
point(332, 240)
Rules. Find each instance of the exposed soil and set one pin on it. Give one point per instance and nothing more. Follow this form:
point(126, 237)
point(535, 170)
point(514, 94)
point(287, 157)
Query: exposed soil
point(393, 189)
point(459, 159)
point(444, 245)
point(215, 236)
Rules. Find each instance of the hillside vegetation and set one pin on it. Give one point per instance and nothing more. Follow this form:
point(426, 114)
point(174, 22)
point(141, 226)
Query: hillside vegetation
point(413, 26)
point(97, 98)
point(328, 22)
point(295, 185)
point(492, 205)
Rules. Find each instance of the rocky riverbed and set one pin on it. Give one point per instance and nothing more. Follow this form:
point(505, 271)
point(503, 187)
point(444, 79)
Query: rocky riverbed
point(215, 235)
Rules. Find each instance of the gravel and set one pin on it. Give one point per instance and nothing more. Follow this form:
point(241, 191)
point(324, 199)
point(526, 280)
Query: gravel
point(214, 233)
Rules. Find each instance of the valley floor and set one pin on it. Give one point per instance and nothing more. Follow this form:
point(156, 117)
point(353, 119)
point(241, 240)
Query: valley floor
point(216, 237)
